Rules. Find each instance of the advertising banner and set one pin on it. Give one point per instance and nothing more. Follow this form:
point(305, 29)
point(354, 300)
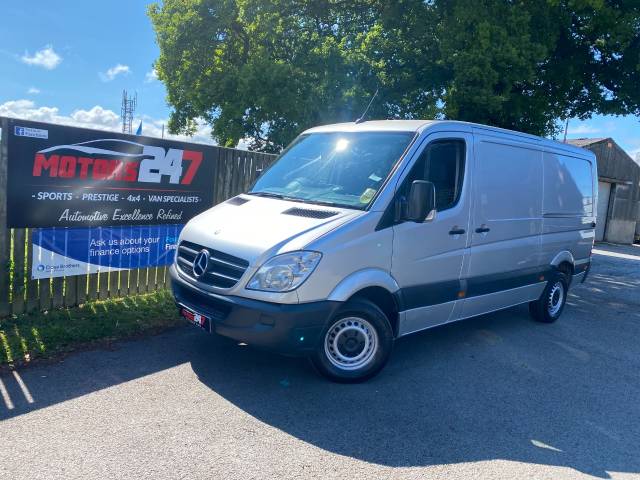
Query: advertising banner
point(59, 252)
point(61, 176)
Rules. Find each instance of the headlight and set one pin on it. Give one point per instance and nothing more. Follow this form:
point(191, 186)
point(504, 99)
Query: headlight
point(285, 272)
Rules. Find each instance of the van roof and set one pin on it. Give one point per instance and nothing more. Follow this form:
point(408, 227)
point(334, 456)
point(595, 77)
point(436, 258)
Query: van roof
point(420, 125)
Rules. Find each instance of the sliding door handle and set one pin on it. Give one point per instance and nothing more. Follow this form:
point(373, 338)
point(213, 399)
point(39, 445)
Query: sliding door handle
point(482, 229)
point(457, 231)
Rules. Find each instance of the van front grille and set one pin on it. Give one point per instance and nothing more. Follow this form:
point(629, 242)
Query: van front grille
point(223, 270)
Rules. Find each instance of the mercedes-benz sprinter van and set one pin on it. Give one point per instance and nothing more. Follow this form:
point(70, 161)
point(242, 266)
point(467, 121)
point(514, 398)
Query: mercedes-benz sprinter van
point(361, 233)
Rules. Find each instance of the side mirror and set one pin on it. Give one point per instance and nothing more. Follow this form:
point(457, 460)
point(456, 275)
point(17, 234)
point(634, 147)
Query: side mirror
point(422, 200)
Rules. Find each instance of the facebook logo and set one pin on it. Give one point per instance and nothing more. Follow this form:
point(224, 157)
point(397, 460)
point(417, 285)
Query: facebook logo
point(30, 132)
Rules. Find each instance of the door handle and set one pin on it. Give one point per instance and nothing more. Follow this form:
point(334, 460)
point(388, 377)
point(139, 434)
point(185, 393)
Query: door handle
point(456, 231)
point(482, 229)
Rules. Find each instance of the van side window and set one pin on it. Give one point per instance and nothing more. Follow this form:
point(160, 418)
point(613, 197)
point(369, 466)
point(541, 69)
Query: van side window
point(442, 163)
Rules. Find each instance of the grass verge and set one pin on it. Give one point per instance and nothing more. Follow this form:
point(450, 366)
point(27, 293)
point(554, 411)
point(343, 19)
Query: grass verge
point(26, 337)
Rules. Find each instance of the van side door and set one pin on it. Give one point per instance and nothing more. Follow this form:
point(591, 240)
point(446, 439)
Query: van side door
point(504, 265)
point(427, 257)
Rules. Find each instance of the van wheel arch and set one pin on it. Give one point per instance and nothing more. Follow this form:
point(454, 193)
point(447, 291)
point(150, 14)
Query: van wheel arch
point(566, 268)
point(384, 300)
point(563, 257)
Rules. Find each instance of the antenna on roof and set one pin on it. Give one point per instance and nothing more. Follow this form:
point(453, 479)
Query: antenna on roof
point(361, 119)
point(566, 127)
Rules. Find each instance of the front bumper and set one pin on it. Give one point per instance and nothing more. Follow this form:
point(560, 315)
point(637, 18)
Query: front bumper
point(293, 329)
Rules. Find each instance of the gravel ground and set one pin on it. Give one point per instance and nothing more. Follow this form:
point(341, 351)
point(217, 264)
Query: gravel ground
point(494, 397)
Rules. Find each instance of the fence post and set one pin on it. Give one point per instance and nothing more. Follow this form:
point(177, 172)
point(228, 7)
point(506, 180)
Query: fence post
point(57, 291)
point(219, 177)
point(5, 237)
point(32, 285)
point(71, 291)
point(20, 276)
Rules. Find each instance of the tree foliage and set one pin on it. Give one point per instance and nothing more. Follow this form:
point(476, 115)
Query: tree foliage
point(266, 70)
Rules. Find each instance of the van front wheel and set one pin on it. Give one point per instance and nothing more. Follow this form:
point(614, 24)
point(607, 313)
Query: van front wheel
point(356, 343)
point(548, 308)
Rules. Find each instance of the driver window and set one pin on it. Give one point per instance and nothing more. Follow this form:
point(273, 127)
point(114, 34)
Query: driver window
point(442, 163)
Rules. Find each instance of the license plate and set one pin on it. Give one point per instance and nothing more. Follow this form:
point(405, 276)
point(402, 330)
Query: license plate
point(197, 319)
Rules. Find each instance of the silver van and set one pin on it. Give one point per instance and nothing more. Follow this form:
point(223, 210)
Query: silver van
point(361, 233)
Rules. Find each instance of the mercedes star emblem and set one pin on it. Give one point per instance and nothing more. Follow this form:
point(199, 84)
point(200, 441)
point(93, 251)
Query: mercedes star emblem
point(201, 263)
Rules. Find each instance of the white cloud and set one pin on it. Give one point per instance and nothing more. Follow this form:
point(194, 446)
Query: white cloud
point(96, 117)
point(45, 58)
point(99, 118)
point(114, 71)
point(151, 76)
point(33, 91)
point(582, 129)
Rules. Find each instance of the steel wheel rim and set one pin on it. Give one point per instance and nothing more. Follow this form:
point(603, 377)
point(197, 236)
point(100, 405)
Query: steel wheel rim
point(351, 343)
point(556, 297)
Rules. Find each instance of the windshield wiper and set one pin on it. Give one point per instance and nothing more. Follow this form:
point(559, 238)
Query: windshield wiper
point(326, 203)
point(267, 194)
point(303, 200)
point(274, 195)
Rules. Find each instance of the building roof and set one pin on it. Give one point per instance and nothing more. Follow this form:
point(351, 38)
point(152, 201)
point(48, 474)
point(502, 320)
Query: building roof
point(587, 142)
point(584, 142)
point(613, 161)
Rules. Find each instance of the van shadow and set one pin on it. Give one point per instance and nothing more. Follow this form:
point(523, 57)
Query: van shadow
point(497, 387)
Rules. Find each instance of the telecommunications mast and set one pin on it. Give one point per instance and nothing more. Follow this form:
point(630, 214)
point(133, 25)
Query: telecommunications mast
point(127, 110)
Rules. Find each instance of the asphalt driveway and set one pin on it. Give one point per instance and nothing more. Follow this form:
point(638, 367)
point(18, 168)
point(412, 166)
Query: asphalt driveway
point(494, 397)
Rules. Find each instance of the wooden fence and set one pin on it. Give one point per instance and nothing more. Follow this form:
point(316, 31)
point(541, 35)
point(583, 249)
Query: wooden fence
point(234, 172)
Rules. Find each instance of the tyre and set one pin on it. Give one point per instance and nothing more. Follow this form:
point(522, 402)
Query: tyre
point(548, 308)
point(356, 343)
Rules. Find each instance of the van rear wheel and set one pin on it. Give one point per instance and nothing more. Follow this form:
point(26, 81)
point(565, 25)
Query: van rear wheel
point(548, 308)
point(356, 343)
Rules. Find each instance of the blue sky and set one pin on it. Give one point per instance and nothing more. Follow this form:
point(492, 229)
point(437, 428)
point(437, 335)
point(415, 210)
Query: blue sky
point(68, 61)
point(90, 37)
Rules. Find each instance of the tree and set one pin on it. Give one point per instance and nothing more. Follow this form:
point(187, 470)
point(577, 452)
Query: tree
point(266, 70)
point(525, 64)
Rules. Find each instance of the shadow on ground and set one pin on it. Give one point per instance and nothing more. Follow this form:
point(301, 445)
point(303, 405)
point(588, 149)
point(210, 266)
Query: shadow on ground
point(48, 382)
point(496, 387)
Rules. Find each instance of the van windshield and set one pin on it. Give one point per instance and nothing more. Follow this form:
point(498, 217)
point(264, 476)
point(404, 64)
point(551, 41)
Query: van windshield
point(336, 168)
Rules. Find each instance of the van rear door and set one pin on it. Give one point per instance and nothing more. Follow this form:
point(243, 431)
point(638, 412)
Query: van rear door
point(568, 209)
